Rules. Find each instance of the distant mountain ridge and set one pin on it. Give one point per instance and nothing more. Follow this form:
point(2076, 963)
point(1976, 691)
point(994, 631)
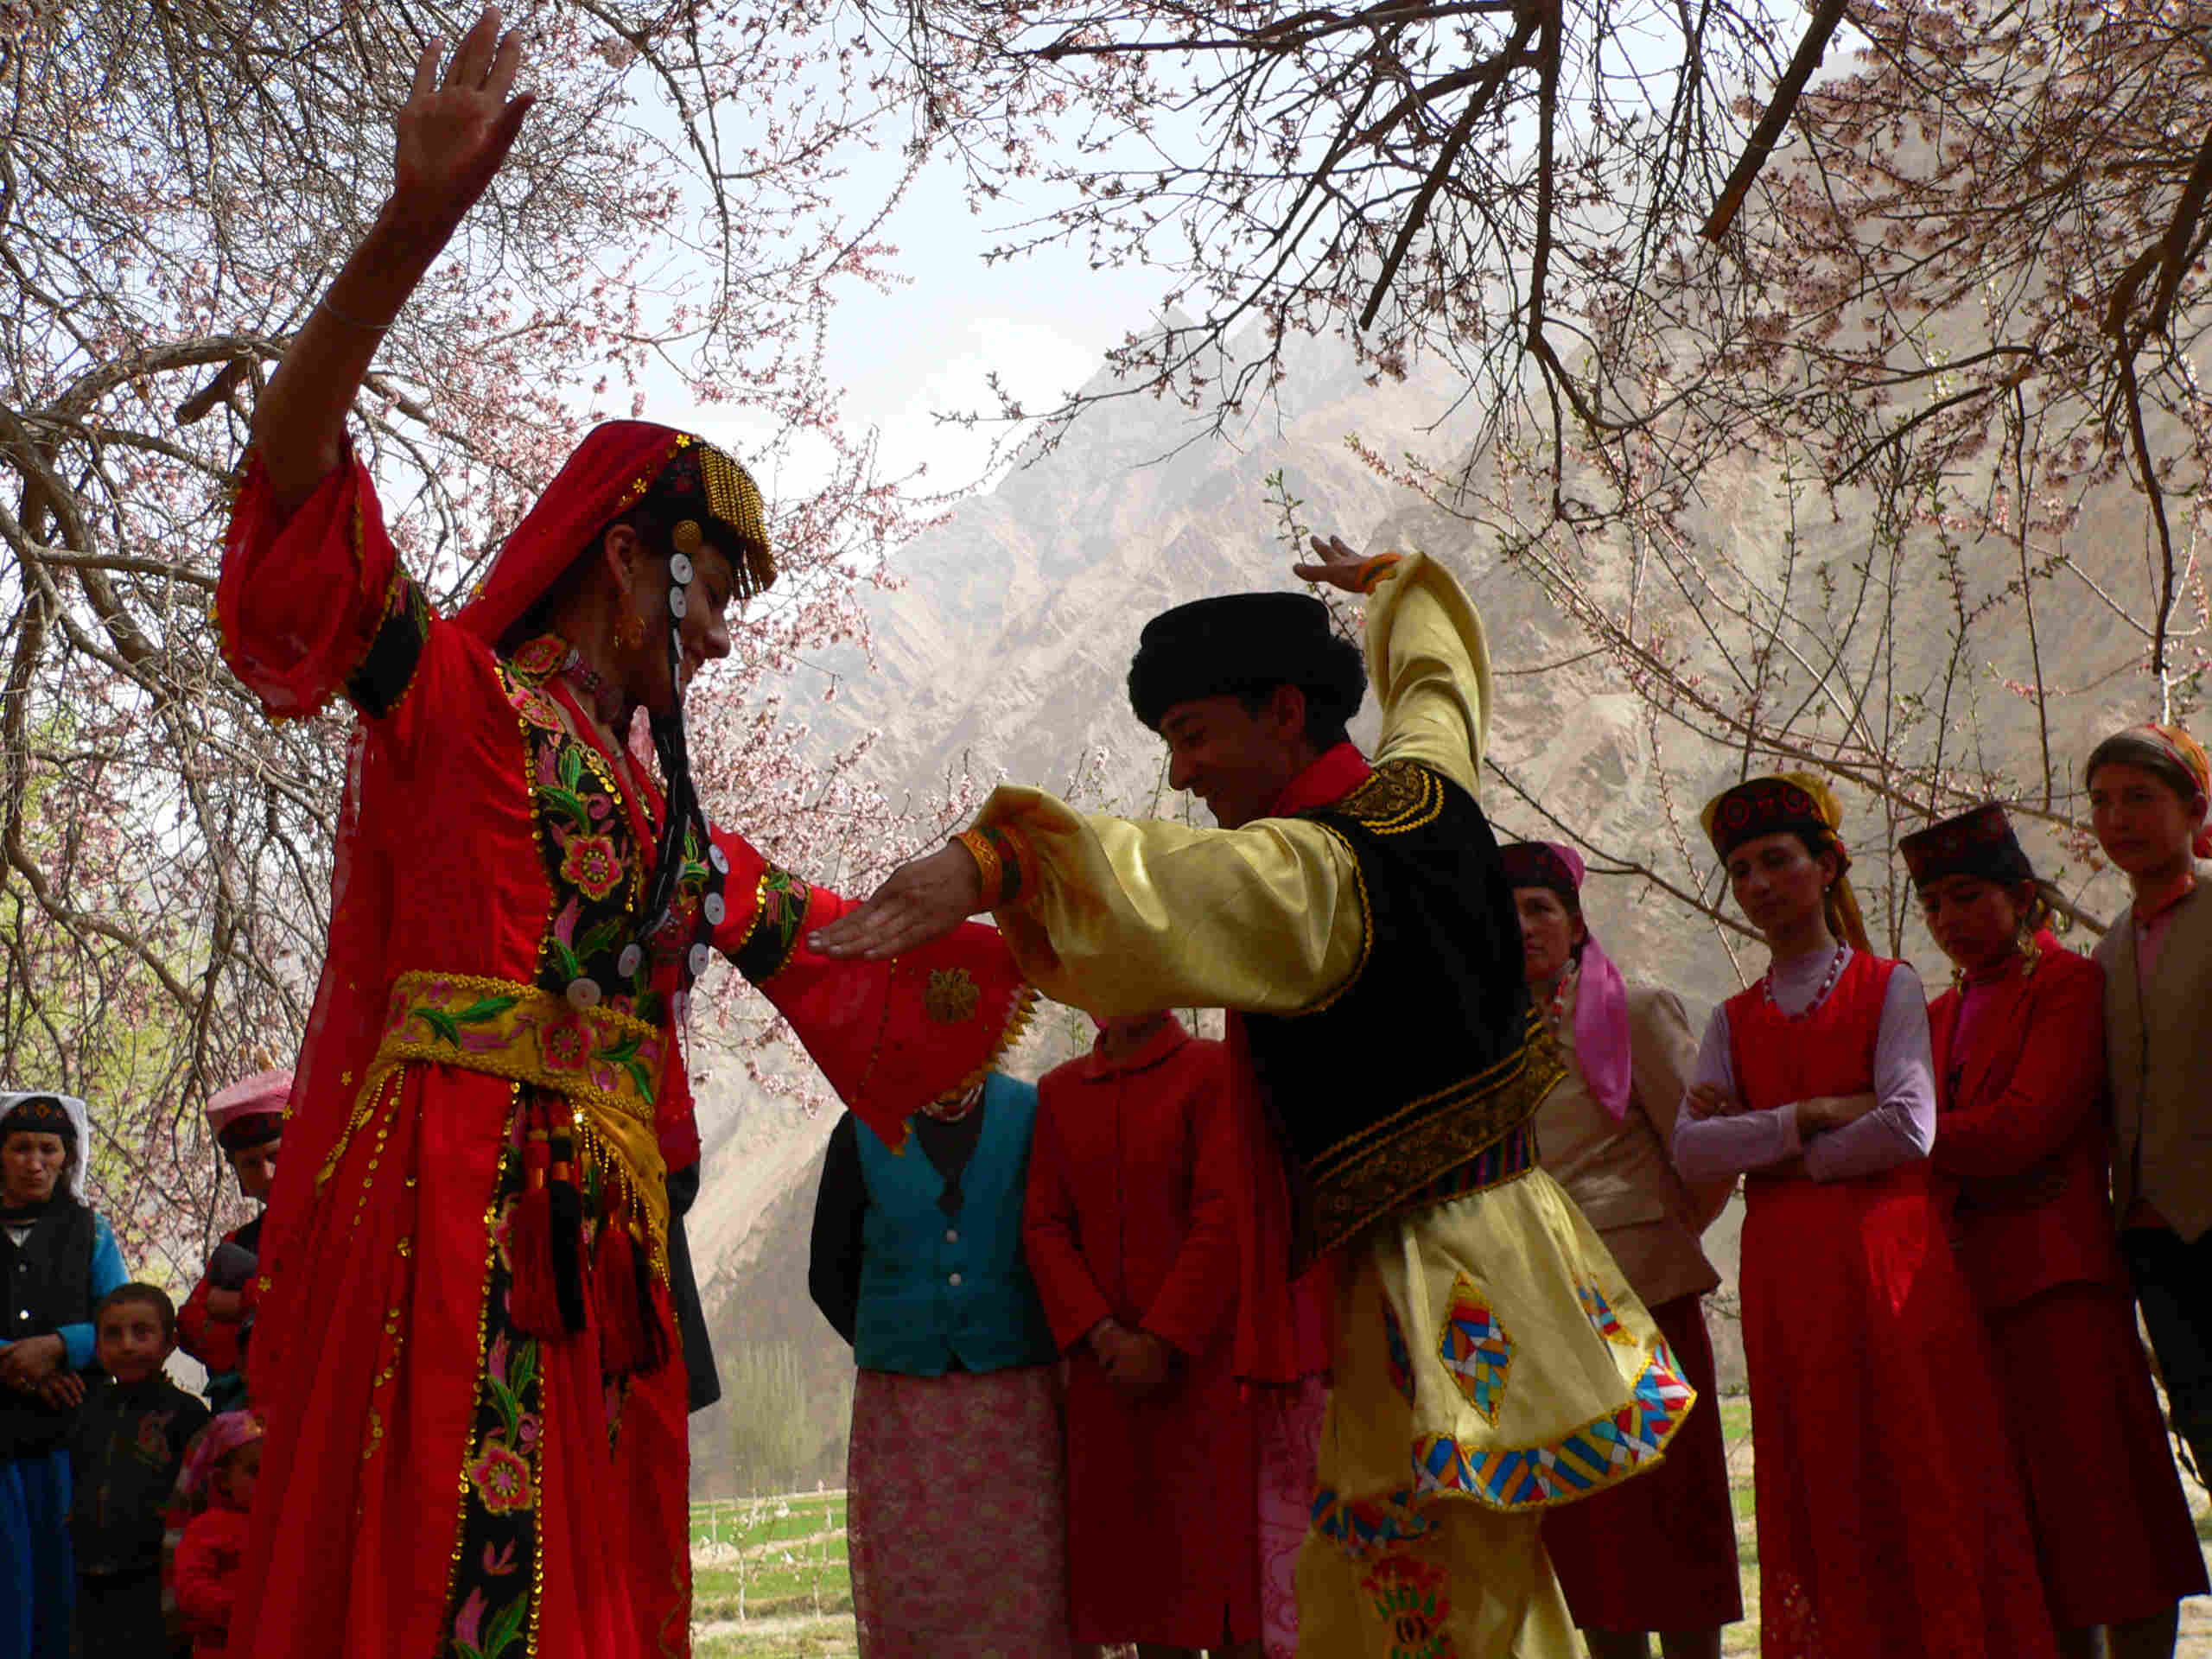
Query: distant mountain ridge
point(1006, 647)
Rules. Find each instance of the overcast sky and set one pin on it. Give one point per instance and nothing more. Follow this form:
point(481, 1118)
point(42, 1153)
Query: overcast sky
point(1042, 321)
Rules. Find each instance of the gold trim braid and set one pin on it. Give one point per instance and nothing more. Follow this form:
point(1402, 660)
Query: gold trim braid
point(607, 1065)
point(1371, 1174)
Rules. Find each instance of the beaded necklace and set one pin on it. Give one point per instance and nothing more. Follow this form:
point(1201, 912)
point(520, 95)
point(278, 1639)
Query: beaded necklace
point(1555, 1009)
point(605, 701)
point(1827, 984)
point(953, 1111)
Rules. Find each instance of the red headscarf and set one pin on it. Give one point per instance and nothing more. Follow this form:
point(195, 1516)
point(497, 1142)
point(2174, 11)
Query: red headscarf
point(608, 474)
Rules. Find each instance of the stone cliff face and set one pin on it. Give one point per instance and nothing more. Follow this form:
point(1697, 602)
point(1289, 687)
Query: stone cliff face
point(1005, 649)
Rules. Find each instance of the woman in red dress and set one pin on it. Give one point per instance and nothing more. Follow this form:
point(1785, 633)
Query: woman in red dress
point(2020, 1073)
point(476, 1435)
point(1891, 1524)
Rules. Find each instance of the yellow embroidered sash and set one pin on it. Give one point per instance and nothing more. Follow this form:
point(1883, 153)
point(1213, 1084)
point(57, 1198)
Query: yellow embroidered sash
point(606, 1063)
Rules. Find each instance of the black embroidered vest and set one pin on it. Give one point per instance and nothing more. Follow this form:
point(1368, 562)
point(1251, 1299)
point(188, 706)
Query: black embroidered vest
point(1431, 1054)
point(48, 1280)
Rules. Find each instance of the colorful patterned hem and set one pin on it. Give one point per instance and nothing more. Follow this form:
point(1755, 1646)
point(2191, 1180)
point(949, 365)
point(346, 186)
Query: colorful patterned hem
point(1595, 1456)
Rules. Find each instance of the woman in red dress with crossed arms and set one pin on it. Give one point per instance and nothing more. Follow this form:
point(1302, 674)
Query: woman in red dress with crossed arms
point(2019, 1053)
point(1891, 1524)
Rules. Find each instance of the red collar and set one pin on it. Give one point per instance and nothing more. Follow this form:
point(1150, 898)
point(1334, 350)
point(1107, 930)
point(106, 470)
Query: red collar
point(2047, 945)
point(1334, 774)
point(1162, 1043)
point(2188, 886)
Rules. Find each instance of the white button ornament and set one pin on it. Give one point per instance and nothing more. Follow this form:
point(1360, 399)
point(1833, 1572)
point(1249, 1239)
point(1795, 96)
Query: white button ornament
point(719, 859)
point(626, 964)
point(677, 603)
point(715, 909)
point(679, 571)
point(583, 993)
point(700, 958)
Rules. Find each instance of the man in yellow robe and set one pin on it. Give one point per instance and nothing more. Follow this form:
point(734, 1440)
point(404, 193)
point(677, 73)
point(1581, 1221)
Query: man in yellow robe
point(1489, 1360)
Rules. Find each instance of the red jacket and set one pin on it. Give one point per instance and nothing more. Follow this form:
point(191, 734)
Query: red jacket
point(1133, 1212)
point(2023, 1133)
point(206, 1578)
point(215, 1342)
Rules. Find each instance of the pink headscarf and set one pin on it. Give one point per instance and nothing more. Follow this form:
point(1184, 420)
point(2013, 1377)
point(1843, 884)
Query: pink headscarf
point(1601, 1039)
point(195, 1487)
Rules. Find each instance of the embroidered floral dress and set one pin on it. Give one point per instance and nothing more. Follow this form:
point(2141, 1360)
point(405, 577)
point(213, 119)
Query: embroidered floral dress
point(466, 1454)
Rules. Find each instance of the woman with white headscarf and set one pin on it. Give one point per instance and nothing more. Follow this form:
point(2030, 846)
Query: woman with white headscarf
point(57, 1260)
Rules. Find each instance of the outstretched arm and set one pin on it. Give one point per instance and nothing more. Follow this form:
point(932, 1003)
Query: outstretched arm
point(454, 134)
point(1110, 917)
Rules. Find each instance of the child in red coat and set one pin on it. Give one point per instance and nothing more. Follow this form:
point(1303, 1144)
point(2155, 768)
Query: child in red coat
point(224, 1467)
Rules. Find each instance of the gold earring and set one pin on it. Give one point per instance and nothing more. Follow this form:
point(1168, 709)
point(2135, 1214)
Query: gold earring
point(630, 632)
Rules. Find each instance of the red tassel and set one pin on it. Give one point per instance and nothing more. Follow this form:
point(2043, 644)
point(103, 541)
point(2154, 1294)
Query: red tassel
point(531, 1302)
point(624, 1343)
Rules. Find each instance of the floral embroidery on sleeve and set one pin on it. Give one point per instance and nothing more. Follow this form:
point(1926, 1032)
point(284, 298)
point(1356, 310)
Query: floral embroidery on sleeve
point(781, 914)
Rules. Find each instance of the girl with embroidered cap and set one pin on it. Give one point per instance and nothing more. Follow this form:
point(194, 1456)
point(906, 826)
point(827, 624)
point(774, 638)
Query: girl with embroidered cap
point(1890, 1520)
point(247, 1120)
point(1658, 1554)
point(472, 1276)
point(2149, 788)
point(57, 1260)
point(2018, 1052)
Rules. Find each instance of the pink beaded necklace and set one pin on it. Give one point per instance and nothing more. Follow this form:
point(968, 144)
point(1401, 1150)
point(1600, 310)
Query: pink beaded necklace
point(1827, 984)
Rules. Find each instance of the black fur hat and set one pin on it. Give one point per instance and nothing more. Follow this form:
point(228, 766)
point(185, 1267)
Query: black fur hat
point(1246, 642)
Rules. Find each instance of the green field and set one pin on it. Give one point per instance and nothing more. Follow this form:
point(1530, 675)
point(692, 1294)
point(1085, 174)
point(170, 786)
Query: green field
point(769, 1579)
point(775, 1558)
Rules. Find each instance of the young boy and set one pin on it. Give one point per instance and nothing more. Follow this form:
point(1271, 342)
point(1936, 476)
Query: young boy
point(247, 1120)
point(2149, 788)
point(128, 1446)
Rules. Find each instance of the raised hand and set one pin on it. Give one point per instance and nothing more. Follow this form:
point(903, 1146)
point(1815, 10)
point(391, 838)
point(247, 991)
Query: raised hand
point(455, 132)
point(922, 900)
point(1334, 564)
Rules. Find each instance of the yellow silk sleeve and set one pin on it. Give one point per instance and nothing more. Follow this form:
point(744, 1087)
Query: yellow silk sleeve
point(1430, 669)
point(1122, 918)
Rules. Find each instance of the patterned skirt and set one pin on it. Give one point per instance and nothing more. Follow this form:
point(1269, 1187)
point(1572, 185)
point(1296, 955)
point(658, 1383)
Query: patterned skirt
point(957, 1522)
point(1490, 1362)
point(1290, 1423)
